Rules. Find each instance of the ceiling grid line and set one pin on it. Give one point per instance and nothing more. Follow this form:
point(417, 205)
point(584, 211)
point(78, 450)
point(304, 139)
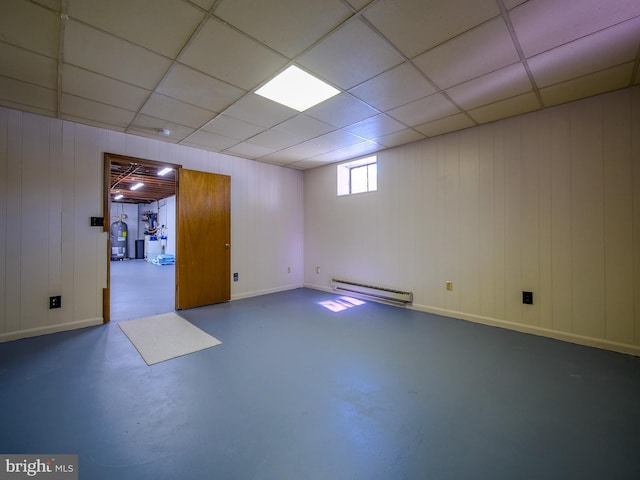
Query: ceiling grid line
point(523, 59)
point(406, 70)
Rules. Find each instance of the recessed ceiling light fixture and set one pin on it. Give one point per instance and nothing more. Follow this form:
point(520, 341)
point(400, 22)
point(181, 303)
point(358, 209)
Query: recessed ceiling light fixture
point(164, 171)
point(137, 186)
point(297, 89)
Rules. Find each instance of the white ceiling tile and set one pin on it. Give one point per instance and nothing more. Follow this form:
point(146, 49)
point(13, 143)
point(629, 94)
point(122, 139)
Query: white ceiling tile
point(600, 82)
point(90, 110)
point(204, 4)
point(181, 113)
point(415, 26)
point(191, 86)
point(307, 164)
point(173, 22)
point(232, 127)
point(92, 122)
point(50, 4)
point(383, 93)
point(510, 4)
point(260, 111)
point(30, 26)
point(285, 156)
point(274, 140)
point(102, 53)
point(249, 150)
point(288, 26)
point(400, 138)
point(149, 126)
point(507, 82)
point(544, 24)
point(22, 64)
point(246, 65)
point(424, 110)
point(505, 108)
point(210, 141)
point(613, 46)
point(20, 93)
point(83, 83)
point(375, 127)
point(351, 55)
point(318, 146)
point(446, 125)
point(341, 110)
point(482, 50)
point(335, 140)
point(359, 4)
point(303, 127)
point(346, 153)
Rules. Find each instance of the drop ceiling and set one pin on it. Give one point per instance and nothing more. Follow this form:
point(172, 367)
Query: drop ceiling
point(407, 70)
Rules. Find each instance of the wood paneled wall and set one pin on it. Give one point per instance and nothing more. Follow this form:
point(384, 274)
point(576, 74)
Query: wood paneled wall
point(547, 202)
point(51, 184)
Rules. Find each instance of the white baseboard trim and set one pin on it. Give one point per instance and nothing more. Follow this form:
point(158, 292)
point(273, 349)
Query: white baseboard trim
point(534, 330)
point(531, 329)
point(257, 293)
point(37, 331)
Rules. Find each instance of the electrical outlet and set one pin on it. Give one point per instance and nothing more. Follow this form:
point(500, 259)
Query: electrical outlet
point(235, 277)
point(317, 269)
point(55, 302)
point(527, 298)
point(449, 285)
point(288, 269)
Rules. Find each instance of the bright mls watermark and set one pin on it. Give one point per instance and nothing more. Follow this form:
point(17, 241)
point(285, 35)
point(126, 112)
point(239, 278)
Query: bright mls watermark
point(50, 467)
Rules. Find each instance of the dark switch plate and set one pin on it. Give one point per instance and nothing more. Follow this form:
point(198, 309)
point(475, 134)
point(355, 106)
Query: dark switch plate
point(55, 302)
point(97, 221)
point(527, 298)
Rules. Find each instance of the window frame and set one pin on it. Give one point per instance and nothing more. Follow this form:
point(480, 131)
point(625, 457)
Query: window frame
point(345, 171)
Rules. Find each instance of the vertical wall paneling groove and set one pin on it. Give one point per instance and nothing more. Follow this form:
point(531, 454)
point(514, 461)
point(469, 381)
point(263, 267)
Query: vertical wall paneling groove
point(635, 156)
point(486, 217)
point(513, 220)
point(618, 218)
point(587, 260)
point(68, 215)
point(499, 185)
point(529, 217)
point(548, 202)
point(469, 284)
point(4, 174)
point(544, 285)
point(14, 223)
point(34, 199)
point(561, 220)
point(54, 219)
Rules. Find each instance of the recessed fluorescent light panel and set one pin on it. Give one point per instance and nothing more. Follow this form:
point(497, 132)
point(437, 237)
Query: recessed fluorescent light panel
point(137, 186)
point(164, 171)
point(118, 197)
point(297, 89)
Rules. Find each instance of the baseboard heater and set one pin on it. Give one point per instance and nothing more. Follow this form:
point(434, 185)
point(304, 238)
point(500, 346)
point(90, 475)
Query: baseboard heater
point(373, 292)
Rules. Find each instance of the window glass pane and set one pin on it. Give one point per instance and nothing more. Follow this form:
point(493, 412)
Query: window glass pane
point(359, 179)
point(373, 176)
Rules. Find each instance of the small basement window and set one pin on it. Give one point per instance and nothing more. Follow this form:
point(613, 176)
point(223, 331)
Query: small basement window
point(358, 176)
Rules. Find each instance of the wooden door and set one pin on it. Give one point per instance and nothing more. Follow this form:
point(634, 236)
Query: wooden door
point(203, 250)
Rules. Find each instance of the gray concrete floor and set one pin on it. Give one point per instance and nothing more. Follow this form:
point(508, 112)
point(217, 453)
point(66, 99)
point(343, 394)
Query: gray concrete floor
point(297, 391)
point(141, 289)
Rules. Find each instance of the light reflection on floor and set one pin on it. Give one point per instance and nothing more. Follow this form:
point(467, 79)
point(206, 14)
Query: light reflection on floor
point(341, 303)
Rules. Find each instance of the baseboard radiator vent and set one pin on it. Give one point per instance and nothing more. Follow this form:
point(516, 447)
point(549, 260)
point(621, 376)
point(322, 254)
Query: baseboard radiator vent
point(373, 292)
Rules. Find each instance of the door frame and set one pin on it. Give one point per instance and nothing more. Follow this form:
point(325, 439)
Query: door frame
point(106, 292)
